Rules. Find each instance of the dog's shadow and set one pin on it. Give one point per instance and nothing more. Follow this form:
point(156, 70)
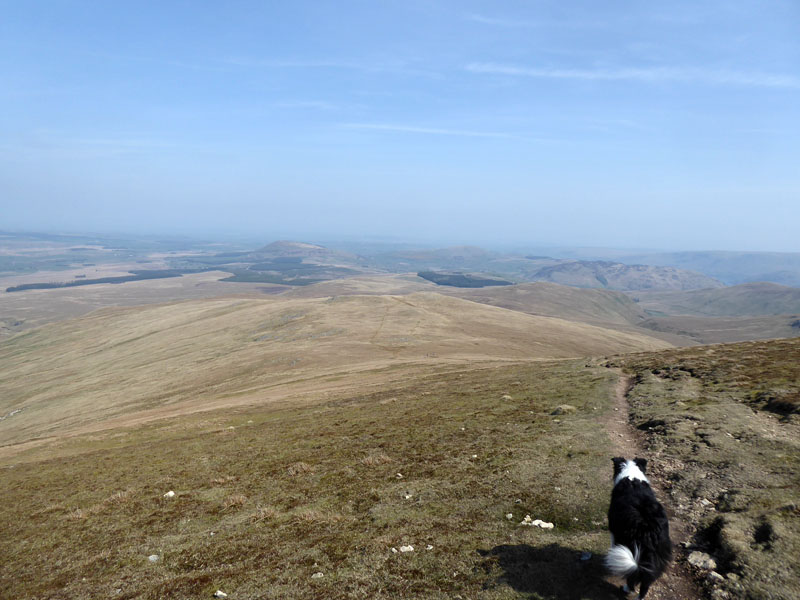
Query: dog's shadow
point(550, 571)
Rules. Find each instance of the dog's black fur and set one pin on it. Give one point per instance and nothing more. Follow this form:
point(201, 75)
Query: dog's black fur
point(640, 545)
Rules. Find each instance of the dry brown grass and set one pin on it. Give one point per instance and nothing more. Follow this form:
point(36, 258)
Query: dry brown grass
point(376, 459)
point(299, 468)
point(264, 513)
point(234, 501)
point(224, 480)
point(123, 366)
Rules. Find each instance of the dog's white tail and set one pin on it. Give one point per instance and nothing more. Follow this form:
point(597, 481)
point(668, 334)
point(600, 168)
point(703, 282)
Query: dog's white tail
point(621, 561)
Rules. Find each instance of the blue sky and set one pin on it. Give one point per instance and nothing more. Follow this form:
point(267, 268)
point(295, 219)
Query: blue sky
point(628, 124)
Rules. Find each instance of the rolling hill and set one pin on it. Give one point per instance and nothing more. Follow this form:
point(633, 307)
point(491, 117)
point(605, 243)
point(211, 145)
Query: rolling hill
point(716, 330)
point(749, 299)
point(618, 276)
point(565, 302)
point(124, 365)
point(604, 308)
point(417, 487)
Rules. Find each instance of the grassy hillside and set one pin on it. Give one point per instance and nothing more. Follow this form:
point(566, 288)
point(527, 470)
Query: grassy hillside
point(124, 365)
point(723, 423)
point(428, 454)
point(267, 498)
point(715, 330)
point(574, 304)
point(398, 285)
point(618, 276)
point(25, 310)
point(749, 299)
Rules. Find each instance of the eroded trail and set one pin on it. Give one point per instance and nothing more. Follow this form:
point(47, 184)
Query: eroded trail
point(676, 583)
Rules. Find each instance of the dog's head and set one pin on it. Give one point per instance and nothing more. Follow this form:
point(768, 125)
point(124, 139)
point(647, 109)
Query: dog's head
point(619, 465)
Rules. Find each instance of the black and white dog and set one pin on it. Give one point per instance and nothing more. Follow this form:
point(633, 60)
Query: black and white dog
point(640, 544)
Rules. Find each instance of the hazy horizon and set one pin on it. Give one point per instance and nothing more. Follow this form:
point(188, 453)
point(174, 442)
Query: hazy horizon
point(391, 243)
point(630, 126)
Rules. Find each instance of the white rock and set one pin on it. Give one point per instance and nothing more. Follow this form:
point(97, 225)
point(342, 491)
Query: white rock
point(399, 475)
point(169, 494)
point(701, 560)
point(509, 516)
point(317, 575)
point(220, 594)
point(153, 558)
point(394, 550)
point(408, 496)
point(527, 521)
point(474, 456)
point(428, 547)
point(406, 548)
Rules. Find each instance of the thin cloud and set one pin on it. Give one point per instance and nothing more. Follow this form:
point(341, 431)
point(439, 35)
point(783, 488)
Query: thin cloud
point(428, 130)
point(393, 67)
point(307, 104)
point(646, 75)
point(528, 24)
point(501, 22)
point(271, 63)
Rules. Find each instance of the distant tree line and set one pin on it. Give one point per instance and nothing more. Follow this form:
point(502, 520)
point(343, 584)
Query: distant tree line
point(242, 276)
point(463, 280)
point(137, 276)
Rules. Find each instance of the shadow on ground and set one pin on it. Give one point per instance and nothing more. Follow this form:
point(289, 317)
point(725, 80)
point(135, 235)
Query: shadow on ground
point(550, 572)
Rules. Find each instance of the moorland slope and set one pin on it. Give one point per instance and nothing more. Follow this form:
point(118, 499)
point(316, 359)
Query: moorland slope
point(748, 299)
point(296, 501)
point(131, 364)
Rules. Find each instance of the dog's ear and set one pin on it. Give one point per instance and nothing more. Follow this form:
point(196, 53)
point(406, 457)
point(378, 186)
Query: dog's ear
point(619, 462)
point(641, 463)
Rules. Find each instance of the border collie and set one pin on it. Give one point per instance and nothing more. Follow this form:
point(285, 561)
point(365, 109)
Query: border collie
point(640, 544)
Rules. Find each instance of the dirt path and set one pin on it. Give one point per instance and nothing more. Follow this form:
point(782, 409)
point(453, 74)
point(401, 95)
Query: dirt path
point(676, 583)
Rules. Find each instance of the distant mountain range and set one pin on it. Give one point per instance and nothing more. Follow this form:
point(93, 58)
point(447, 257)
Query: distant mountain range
point(300, 263)
point(729, 267)
point(749, 299)
point(618, 276)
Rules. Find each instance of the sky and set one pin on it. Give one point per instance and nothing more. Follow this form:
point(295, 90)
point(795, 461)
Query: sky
point(672, 125)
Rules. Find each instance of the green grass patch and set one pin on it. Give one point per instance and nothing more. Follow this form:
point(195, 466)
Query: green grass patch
point(265, 499)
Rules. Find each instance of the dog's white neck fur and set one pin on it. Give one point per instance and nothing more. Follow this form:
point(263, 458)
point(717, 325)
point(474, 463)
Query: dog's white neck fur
point(630, 471)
